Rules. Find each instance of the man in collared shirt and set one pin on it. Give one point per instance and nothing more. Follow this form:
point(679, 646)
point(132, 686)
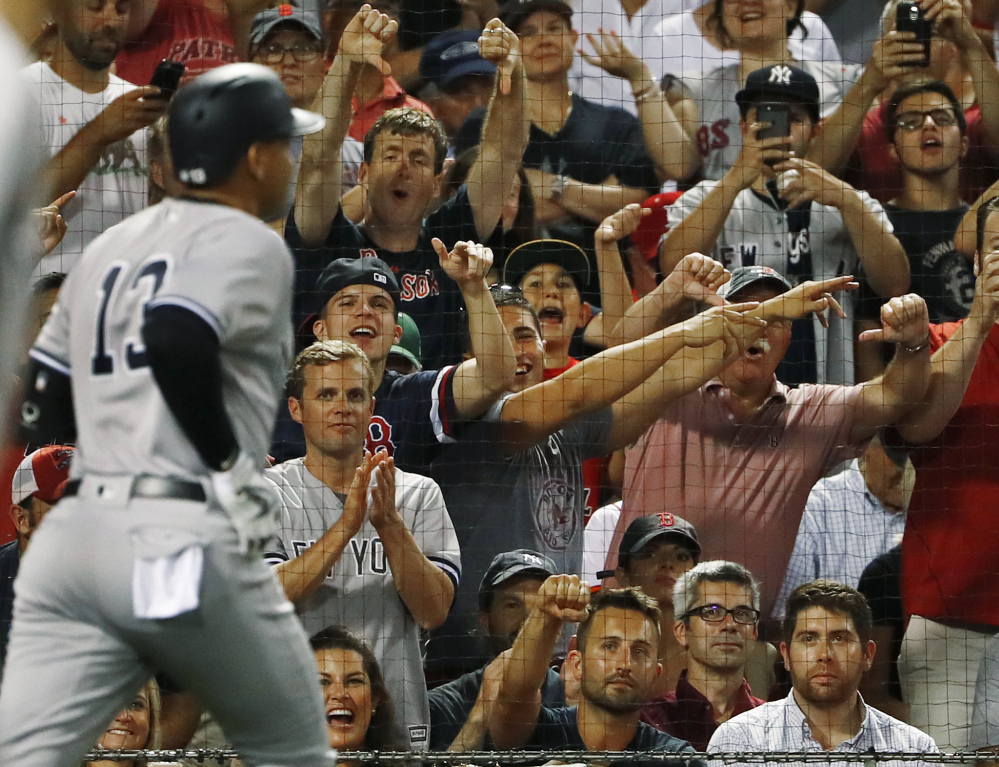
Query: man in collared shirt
point(827, 648)
point(850, 519)
point(717, 606)
point(753, 448)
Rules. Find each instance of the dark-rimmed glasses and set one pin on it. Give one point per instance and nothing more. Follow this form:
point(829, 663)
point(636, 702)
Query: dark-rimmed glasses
point(716, 614)
point(914, 120)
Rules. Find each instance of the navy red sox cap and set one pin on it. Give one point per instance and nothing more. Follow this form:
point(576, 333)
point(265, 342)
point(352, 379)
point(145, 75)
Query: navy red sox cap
point(525, 257)
point(782, 80)
point(748, 276)
point(217, 117)
point(509, 565)
point(643, 530)
point(345, 272)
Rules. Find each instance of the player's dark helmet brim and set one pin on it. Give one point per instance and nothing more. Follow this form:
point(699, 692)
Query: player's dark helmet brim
point(306, 122)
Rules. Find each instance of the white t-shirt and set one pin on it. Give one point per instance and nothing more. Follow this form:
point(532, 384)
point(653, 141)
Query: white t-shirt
point(597, 537)
point(663, 51)
point(685, 49)
point(114, 189)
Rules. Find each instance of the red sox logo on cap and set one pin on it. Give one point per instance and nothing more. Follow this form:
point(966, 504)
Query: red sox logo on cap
point(285, 9)
point(666, 519)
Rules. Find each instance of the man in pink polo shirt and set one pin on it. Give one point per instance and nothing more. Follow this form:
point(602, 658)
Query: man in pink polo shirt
point(738, 457)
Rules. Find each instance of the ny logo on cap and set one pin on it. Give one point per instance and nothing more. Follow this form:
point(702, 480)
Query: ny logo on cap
point(666, 520)
point(533, 559)
point(380, 278)
point(780, 75)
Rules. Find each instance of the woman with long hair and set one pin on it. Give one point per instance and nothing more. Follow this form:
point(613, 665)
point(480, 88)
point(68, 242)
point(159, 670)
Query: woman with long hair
point(136, 726)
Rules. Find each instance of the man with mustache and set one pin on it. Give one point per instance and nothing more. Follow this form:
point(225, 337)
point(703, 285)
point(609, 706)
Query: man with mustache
point(616, 659)
point(92, 123)
point(827, 648)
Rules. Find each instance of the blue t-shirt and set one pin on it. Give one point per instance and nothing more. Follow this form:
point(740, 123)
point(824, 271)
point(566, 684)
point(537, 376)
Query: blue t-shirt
point(429, 296)
point(557, 729)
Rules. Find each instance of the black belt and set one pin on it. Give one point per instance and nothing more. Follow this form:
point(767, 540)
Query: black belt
point(149, 486)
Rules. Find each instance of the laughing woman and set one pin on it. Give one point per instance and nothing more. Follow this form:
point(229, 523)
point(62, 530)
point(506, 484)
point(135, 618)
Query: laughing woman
point(137, 726)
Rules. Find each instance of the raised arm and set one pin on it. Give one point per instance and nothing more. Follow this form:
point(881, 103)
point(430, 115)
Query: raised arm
point(881, 253)
point(424, 588)
point(602, 380)
point(320, 177)
point(615, 290)
point(301, 576)
point(696, 278)
point(953, 24)
point(953, 363)
point(121, 118)
point(837, 135)
point(966, 237)
point(699, 230)
point(504, 133)
point(480, 381)
point(514, 714)
point(887, 398)
point(672, 149)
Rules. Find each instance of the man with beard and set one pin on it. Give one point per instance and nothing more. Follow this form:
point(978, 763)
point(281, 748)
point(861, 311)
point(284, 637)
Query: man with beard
point(508, 591)
point(92, 124)
point(718, 607)
point(616, 660)
point(827, 648)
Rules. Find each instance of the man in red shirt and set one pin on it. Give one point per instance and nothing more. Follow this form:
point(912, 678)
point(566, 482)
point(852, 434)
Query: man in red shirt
point(950, 578)
point(717, 606)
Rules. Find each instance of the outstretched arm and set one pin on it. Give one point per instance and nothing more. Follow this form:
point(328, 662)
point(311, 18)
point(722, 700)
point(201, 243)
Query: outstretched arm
point(953, 363)
point(480, 381)
point(671, 148)
point(602, 380)
point(696, 278)
point(514, 714)
point(504, 132)
point(320, 177)
point(886, 399)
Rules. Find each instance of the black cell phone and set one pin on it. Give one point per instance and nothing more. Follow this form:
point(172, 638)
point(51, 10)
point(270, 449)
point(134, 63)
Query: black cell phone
point(777, 115)
point(910, 18)
point(167, 78)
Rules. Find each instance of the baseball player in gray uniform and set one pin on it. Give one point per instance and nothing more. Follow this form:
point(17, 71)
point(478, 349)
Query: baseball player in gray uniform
point(169, 341)
point(383, 569)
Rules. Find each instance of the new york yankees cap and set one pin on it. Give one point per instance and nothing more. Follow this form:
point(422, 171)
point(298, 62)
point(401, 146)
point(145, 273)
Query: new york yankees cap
point(643, 530)
point(345, 272)
point(782, 80)
point(514, 12)
point(42, 474)
point(509, 565)
point(452, 55)
point(747, 276)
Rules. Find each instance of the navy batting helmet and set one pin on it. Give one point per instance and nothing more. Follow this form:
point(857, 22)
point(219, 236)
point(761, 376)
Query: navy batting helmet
point(215, 119)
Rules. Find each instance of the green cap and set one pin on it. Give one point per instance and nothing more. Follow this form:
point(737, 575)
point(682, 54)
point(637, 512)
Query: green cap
point(410, 345)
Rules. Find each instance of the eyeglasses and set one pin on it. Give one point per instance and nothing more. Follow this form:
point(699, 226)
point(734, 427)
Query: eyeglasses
point(717, 613)
point(499, 288)
point(913, 121)
point(273, 53)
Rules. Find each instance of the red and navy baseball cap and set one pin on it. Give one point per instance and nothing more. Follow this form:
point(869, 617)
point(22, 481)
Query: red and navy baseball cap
point(42, 474)
point(748, 276)
point(782, 81)
point(643, 530)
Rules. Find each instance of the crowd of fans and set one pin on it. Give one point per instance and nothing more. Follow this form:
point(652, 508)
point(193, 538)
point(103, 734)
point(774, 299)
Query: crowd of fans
point(656, 416)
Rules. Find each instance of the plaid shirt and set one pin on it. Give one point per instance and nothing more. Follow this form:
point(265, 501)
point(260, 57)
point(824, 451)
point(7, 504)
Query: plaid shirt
point(843, 530)
point(781, 726)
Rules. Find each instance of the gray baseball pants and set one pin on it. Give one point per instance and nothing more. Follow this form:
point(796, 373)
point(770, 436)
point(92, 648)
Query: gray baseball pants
point(77, 655)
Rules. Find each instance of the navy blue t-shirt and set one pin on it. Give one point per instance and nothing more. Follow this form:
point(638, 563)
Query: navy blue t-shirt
point(429, 296)
point(558, 729)
point(414, 418)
